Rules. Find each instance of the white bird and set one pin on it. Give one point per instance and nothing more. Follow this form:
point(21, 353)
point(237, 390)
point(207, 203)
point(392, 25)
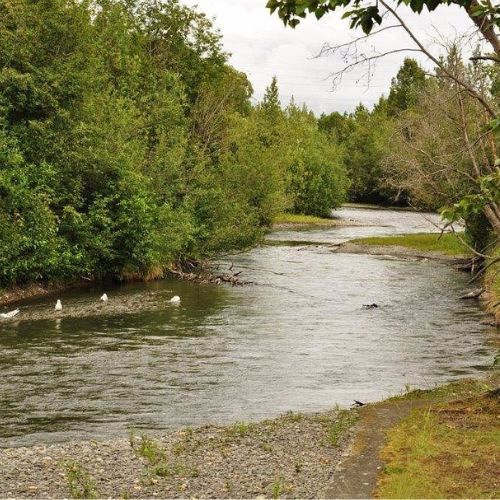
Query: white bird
point(10, 314)
point(104, 297)
point(175, 300)
point(58, 305)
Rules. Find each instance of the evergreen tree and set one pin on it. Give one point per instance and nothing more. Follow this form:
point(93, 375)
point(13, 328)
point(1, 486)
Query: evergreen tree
point(406, 87)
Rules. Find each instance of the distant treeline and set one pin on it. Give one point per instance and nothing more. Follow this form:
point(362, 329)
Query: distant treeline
point(128, 143)
point(429, 144)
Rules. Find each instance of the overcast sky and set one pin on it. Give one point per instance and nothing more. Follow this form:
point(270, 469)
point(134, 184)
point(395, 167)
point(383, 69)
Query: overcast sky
point(262, 47)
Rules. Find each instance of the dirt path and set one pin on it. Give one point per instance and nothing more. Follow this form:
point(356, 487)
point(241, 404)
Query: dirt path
point(356, 476)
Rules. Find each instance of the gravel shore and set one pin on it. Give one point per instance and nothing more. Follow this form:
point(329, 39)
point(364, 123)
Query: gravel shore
point(292, 456)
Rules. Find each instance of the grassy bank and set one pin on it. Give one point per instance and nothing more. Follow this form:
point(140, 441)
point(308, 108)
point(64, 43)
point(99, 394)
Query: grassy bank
point(492, 286)
point(285, 218)
point(447, 244)
point(446, 448)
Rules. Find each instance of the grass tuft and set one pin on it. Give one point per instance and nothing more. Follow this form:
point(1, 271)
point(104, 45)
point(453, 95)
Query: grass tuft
point(80, 483)
point(239, 429)
point(337, 426)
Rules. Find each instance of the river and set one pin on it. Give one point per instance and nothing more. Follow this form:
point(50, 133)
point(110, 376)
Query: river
point(297, 338)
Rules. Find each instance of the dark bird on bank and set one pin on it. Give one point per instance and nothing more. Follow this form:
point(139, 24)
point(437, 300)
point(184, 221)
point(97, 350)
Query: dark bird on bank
point(370, 306)
point(358, 403)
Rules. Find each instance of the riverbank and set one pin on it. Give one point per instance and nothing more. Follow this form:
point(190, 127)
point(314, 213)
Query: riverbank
point(447, 448)
point(291, 456)
point(34, 290)
point(491, 296)
point(299, 221)
point(446, 248)
point(329, 454)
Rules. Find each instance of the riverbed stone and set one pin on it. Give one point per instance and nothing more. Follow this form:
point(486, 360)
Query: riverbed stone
point(290, 456)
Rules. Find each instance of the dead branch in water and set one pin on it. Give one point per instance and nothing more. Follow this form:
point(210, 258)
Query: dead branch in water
point(199, 272)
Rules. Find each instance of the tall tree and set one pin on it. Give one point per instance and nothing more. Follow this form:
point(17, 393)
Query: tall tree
point(406, 87)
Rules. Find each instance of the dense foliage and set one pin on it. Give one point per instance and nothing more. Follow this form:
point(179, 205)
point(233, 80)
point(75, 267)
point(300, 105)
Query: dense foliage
point(127, 142)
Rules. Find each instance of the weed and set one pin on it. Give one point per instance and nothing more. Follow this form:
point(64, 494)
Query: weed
point(165, 469)
point(179, 448)
point(343, 421)
point(277, 488)
point(239, 429)
point(150, 450)
point(266, 447)
point(80, 483)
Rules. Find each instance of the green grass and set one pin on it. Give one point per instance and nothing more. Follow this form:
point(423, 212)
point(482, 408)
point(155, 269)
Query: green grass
point(149, 449)
point(448, 244)
point(239, 430)
point(453, 390)
point(446, 450)
point(344, 420)
point(287, 218)
point(278, 488)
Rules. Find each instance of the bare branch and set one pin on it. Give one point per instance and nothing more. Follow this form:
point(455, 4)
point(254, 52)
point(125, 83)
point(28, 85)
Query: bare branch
point(436, 61)
point(338, 75)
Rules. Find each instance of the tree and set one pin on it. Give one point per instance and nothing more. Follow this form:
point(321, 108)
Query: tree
point(271, 98)
point(486, 18)
point(440, 153)
point(406, 87)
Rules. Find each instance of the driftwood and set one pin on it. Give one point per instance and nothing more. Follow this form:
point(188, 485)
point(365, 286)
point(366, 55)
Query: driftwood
point(475, 294)
point(199, 272)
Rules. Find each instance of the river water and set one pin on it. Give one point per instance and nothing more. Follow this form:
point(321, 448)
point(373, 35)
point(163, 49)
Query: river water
point(297, 338)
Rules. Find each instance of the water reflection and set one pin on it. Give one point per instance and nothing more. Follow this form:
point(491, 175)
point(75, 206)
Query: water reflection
point(296, 339)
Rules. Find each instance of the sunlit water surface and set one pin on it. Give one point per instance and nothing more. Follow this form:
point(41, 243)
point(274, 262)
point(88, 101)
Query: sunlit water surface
point(296, 339)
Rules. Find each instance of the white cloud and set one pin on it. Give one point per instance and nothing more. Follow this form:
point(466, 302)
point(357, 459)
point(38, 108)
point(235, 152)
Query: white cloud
point(262, 47)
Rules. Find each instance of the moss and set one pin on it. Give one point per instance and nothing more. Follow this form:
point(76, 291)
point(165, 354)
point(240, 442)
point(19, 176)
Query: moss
point(448, 243)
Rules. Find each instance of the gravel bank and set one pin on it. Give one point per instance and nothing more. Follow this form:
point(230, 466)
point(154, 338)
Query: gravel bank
point(292, 456)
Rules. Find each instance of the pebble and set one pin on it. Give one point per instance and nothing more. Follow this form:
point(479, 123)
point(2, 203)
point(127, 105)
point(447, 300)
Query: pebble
point(212, 462)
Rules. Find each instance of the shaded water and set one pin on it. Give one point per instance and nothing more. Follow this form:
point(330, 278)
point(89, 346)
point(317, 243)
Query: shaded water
point(296, 339)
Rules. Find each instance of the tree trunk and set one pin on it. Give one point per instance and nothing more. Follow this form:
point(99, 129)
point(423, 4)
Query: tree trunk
point(493, 219)
point(486, 27)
